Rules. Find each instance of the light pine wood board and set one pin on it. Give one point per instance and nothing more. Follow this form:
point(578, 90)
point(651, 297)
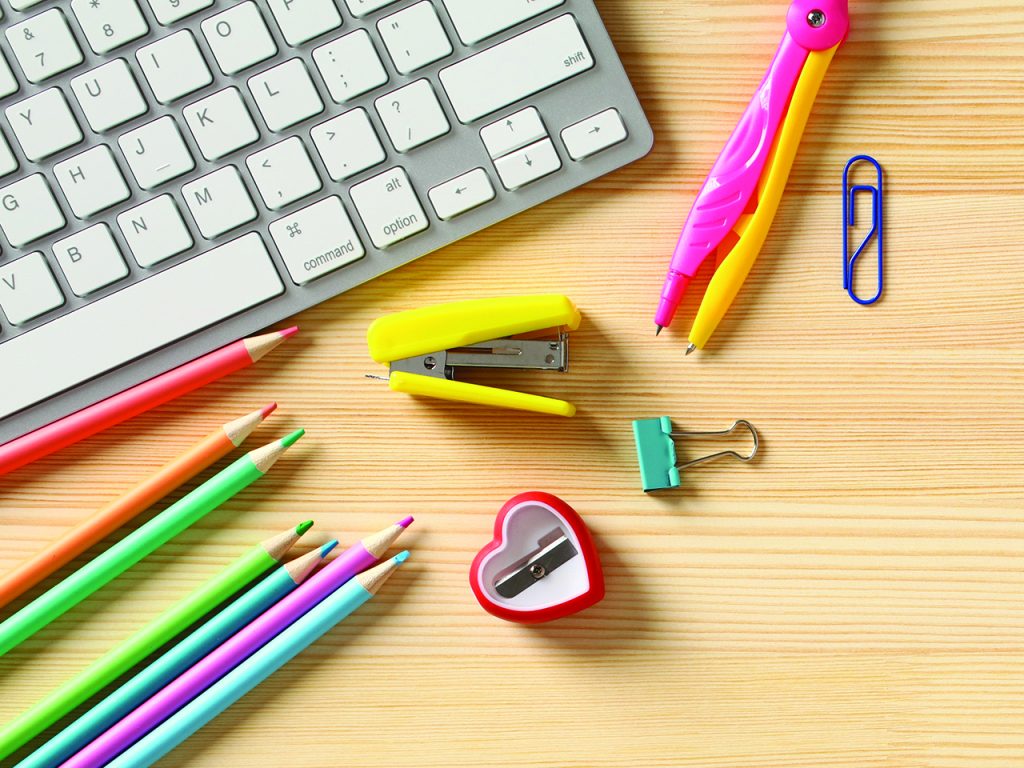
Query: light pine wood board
point(854, 598)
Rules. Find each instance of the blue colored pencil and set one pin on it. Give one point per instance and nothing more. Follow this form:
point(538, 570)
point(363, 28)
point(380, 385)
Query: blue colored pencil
point(257, 667)
point(279, 583)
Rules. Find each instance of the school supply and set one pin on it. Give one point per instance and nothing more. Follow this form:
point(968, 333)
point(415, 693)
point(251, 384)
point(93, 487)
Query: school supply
point(261, 665)
point(147, 640)
point(656, 448)
point(89, 532)
point(233, 651)
point(876, 234)
point(128, 404)
point(735, 209)
point(141, 542)
point(541, 564)
point(425, 347)
point(251, 604)
point(210, 169)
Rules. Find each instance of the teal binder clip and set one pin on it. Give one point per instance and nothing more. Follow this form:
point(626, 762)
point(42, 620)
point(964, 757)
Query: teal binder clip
point(656, 450)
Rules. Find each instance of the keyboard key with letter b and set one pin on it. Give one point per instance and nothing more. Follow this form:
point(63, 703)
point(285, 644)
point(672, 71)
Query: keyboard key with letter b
point(90, 260)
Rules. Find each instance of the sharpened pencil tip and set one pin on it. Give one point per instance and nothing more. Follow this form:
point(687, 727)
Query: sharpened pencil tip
point(327, 548)
point(660, 328)
point(691, 349)
point(268, 409)
point(406, 522)
point(287, 333)
point(401, 557)
point(303, 527)
point(290, 440)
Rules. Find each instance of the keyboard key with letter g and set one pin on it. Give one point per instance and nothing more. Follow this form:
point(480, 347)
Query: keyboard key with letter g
point(518, 68)
point(134, 321)
point(28, 210)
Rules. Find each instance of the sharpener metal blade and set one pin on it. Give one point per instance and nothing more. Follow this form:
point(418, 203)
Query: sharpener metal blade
point(556, 550)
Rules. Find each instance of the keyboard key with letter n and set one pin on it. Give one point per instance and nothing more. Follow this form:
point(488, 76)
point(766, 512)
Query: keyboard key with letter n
point(527, 64)
point(136, 321)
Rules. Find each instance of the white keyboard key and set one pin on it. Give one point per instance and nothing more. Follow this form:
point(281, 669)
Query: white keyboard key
point(389, 208)
point(239, 37)
point(317, 240)
point(302, 20)
point(109, 95)
point(461, 194)
point(90, 260)
point(169, 11)
point(28, 210)
point(219, 202)
point(412, 115)
point(109, 24)
point(285, 95)
point(44, 124)
point(21, 5)
point(8, 162)
point(350, 66)
point(28, 290)
point(518, 68)
point(476, 21)
point(513, 132)
point(91, 181)
point(8, 83)
point(44, 45)
point(174, 66)
point(348, 144)
point(221, 123)
point(528, 164)
point(156, 152)
point(414, 37)
point(360, 8)
point(595, 134)
point(155, 231)
point(283, 173)
point(136, 320)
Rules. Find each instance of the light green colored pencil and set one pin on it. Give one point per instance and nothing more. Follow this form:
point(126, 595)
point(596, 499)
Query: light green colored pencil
point(162, 629)
point(154, 534)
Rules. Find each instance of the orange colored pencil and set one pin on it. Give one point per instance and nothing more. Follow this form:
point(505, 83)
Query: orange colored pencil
point(179, 470)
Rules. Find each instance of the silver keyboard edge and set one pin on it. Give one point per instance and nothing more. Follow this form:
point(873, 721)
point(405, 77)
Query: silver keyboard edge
point(607, 85)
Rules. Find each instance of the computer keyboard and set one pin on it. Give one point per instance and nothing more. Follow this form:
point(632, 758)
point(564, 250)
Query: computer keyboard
point(177, 174)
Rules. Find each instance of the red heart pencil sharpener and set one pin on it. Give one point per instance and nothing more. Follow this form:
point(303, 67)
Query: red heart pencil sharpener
point(541, 565)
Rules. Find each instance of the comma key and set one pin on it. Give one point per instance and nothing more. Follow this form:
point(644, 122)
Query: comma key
point(389, 208)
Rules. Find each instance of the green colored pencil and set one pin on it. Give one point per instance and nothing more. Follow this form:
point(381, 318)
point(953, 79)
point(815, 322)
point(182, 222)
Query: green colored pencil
point(150, 638)
point(154, 534)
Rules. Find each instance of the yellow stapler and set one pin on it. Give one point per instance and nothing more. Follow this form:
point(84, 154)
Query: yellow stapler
point(424, 347)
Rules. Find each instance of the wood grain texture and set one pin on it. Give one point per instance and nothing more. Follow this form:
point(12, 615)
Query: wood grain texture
point(853, 599)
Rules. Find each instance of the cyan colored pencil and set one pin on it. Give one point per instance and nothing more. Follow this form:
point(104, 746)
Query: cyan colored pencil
point(279, 583)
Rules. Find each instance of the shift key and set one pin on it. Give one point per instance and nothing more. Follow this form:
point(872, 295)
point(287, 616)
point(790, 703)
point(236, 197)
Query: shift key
point(389, 208)
point(511, 71)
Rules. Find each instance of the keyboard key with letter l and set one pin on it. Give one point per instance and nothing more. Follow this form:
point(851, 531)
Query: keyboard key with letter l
point(135, 321)
point(527, 64)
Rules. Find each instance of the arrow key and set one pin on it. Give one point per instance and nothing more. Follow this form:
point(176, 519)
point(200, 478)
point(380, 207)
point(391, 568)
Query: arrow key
point(461, 194)
point(595, 134)
point(528, 164)
point(513, 132)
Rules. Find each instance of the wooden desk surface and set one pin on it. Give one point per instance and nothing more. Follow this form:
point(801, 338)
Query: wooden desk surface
point(855, 598)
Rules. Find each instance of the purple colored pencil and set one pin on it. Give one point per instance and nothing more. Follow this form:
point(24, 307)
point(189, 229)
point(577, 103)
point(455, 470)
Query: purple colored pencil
point(236, 649)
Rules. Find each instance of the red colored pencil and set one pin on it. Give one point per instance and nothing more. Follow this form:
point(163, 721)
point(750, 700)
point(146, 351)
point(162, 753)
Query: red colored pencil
point(139, 399)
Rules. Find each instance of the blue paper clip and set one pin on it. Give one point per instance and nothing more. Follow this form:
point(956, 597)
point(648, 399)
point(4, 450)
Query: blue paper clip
point(876, 233)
